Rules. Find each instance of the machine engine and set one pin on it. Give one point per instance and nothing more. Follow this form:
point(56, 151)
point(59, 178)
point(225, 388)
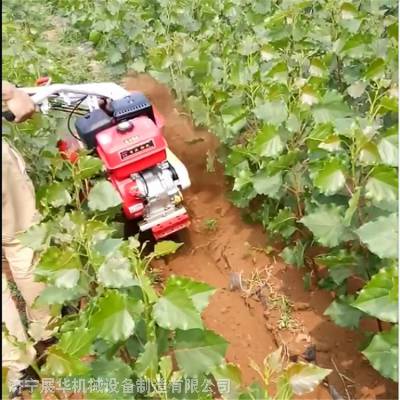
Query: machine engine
point(127, 136)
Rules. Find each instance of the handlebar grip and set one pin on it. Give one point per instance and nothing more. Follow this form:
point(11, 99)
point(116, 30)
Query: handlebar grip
point(8, 116)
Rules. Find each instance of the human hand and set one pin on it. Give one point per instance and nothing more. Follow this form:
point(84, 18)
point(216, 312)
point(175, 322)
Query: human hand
point(17, 101)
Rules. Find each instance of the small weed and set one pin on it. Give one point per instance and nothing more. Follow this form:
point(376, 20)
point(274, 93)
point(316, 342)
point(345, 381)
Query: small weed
point(210, 224)
point(259, 285)
point(286, 320)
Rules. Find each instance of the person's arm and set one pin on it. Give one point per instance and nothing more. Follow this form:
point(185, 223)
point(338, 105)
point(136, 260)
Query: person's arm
point(17, 101)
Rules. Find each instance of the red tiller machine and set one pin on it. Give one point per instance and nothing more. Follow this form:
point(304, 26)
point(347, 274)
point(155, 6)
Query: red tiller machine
point(125, 131)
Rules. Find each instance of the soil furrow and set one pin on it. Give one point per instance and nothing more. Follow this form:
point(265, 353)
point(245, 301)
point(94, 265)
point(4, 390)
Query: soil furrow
point(251, 322)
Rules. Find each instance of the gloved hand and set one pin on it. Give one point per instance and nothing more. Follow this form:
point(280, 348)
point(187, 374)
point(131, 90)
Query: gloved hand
point(17, 101)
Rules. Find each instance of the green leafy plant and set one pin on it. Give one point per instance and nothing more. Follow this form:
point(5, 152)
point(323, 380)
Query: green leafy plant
point(303, 95)
point(287, 378)
point(123, 327)
point(303, 98)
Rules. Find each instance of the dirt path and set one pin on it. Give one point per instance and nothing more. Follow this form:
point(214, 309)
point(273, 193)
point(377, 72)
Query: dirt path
point(251, 325)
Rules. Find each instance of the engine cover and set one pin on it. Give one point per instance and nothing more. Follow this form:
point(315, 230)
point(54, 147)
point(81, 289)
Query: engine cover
point(147, 175)
point(131, 146)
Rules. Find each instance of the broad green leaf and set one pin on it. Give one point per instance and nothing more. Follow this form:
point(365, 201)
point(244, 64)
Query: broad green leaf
point(77, 342)
point(268, 52)
point(166, 247)
point(66, 278)
point(348, 11)
point(304, 378)
point(274, 361)
point(309, 96)
point(279, 73)
point(284, 162)
point(375, 70)
point(57, 195)
point(248, 46)
point(284, 223)
point(369, 154)
point(352, 25)
point(111, 368)
point(266, 184)
point(382, 185)
point(36, 237)
point(382, 353)
point(272, 112)
point(116, 272)
point(199, 292)
point(262, 6)
point(343, 314)
point(294, 255)
point(327, 226)
point(146, 364)
point(388, 104)
point(19, 352)
point(380, 236)
point(354, 46)
point(229, 373)
point(353, 206)
point(107, 247)
point(331, 107)
point(317, 68)
point(322, 132)
point(54, 295)
point(98, 231)
point(243, 178)
point(376, 299)
point(331, 144)
point(206, 347)
point(388, 150)
point(88, 166)
point(234, 117)
point(94, 36)
point(112, 320)
point(59, 363)
point(268, 142)
point(176, 310)
point(59, 267)
point(340, 263)
point(329, 177)
point(293, 123)
point(357, 89)
point(103, 196)
point(199, 110)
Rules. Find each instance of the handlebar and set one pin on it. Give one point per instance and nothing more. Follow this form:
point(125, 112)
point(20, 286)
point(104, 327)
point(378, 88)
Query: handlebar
point(106, 89)
point(71, 94)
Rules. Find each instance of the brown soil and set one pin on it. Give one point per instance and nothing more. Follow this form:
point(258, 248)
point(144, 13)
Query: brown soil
point(251, 324)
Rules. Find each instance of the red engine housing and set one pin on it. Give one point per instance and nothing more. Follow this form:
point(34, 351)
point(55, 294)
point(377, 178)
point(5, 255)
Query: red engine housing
point(127, 152)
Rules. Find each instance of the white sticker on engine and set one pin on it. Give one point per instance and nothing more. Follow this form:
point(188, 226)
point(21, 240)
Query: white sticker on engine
point(135, 208)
